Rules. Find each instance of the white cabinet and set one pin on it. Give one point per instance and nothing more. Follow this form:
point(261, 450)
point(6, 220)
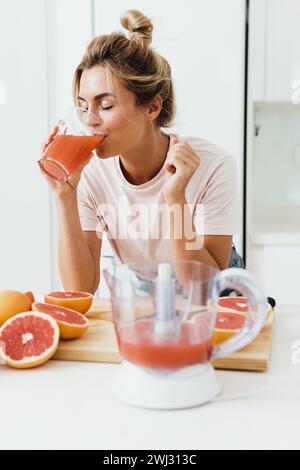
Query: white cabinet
point(274, 60)
point(282, 49)
point(257, 49)
point(276, 267)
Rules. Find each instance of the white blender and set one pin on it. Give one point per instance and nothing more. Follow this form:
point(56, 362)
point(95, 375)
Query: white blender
point(164, 316)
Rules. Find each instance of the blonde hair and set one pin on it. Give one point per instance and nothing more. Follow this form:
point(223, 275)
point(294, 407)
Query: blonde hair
point(138, 66)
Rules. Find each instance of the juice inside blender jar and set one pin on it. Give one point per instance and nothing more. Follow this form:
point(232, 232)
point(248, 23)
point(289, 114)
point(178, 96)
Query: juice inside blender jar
point(139, 345)
point(71, 151)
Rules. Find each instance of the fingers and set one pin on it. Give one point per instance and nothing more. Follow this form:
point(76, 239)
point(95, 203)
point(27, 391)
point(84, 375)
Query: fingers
point(182, 157)
point(51, 137)
point(183, 148)
point(179, 163)
point(174, 140)
point(170, 168)
point(46, 143)
point(188, 156)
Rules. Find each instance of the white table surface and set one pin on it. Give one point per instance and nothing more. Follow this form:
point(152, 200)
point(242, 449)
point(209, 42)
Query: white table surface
point(68, 405)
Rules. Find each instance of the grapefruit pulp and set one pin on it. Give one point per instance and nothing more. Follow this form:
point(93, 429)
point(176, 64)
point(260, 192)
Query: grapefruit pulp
point(233, 304)
point(71, 323)
point(238, 305)
point(28, 340)
point(227, 325)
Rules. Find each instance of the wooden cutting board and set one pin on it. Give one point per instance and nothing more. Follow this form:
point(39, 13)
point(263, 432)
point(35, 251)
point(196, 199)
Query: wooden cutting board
point(99, 344)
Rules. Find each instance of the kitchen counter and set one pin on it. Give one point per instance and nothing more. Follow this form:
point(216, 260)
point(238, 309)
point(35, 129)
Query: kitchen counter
point(68, 405)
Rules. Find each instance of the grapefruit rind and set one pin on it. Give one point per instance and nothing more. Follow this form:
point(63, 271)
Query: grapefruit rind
point(233, 310)
point(67, 330)
point(79, 304)
point(223, 334)
point(12, 303)
point(30, 296)
point(34, 361)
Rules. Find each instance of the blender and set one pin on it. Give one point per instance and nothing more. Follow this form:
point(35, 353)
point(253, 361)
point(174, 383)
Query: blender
point(164, 315)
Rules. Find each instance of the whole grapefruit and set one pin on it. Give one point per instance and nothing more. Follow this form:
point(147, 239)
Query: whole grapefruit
point(11, 303)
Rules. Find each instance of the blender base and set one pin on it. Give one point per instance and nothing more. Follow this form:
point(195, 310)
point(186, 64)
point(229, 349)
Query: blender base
point(185, 388)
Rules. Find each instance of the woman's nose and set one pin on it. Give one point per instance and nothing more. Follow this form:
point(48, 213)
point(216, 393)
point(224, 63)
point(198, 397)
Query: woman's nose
point(93, 121)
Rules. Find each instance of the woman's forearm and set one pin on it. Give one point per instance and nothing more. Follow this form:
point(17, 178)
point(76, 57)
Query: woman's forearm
point(76, 265)
point(185, 243)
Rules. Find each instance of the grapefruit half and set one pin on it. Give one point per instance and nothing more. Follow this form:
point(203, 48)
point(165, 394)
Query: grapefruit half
point(227, 325)
point(238, 305)
point(79, 301)
point(233, 304)
point(28, 340)
point(71, 323)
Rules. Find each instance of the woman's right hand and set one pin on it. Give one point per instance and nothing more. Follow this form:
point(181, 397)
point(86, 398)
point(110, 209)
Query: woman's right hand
point(73, 181)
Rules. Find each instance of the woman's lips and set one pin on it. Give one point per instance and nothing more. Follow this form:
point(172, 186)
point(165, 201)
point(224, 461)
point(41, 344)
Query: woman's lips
point(104, 138)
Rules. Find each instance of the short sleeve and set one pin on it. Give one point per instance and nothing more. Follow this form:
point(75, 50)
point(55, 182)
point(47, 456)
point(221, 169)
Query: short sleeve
point(89, 218)
point(219, 210)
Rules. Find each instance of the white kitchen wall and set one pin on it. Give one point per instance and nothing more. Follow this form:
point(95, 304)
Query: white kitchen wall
point(204, 42)
point(274, 64)
point(25, 261)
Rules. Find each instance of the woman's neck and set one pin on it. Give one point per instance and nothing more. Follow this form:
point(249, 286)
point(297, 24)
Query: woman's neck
point(146, 162)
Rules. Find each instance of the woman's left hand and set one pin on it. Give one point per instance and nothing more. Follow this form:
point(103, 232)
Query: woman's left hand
point(180, 165)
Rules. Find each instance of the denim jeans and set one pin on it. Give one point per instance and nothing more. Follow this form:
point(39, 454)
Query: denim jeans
point(236, 261)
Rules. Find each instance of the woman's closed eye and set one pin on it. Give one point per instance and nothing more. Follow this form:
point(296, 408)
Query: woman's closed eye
point(101, 107)
point(105, 107)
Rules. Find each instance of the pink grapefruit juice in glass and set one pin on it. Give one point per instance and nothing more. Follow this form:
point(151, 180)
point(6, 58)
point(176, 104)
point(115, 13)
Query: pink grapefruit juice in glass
point(71, 148)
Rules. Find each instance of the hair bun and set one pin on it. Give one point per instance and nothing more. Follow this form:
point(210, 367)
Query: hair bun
point(140, 27)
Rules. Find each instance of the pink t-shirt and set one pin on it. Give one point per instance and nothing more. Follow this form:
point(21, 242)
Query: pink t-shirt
point(134, 216)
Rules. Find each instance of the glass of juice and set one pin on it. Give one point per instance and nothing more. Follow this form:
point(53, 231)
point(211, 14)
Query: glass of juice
point(78, 135)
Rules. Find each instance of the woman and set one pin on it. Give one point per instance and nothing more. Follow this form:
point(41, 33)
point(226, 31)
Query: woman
point(158, 196)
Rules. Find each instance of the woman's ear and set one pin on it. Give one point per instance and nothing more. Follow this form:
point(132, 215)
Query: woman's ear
point(154, 107)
